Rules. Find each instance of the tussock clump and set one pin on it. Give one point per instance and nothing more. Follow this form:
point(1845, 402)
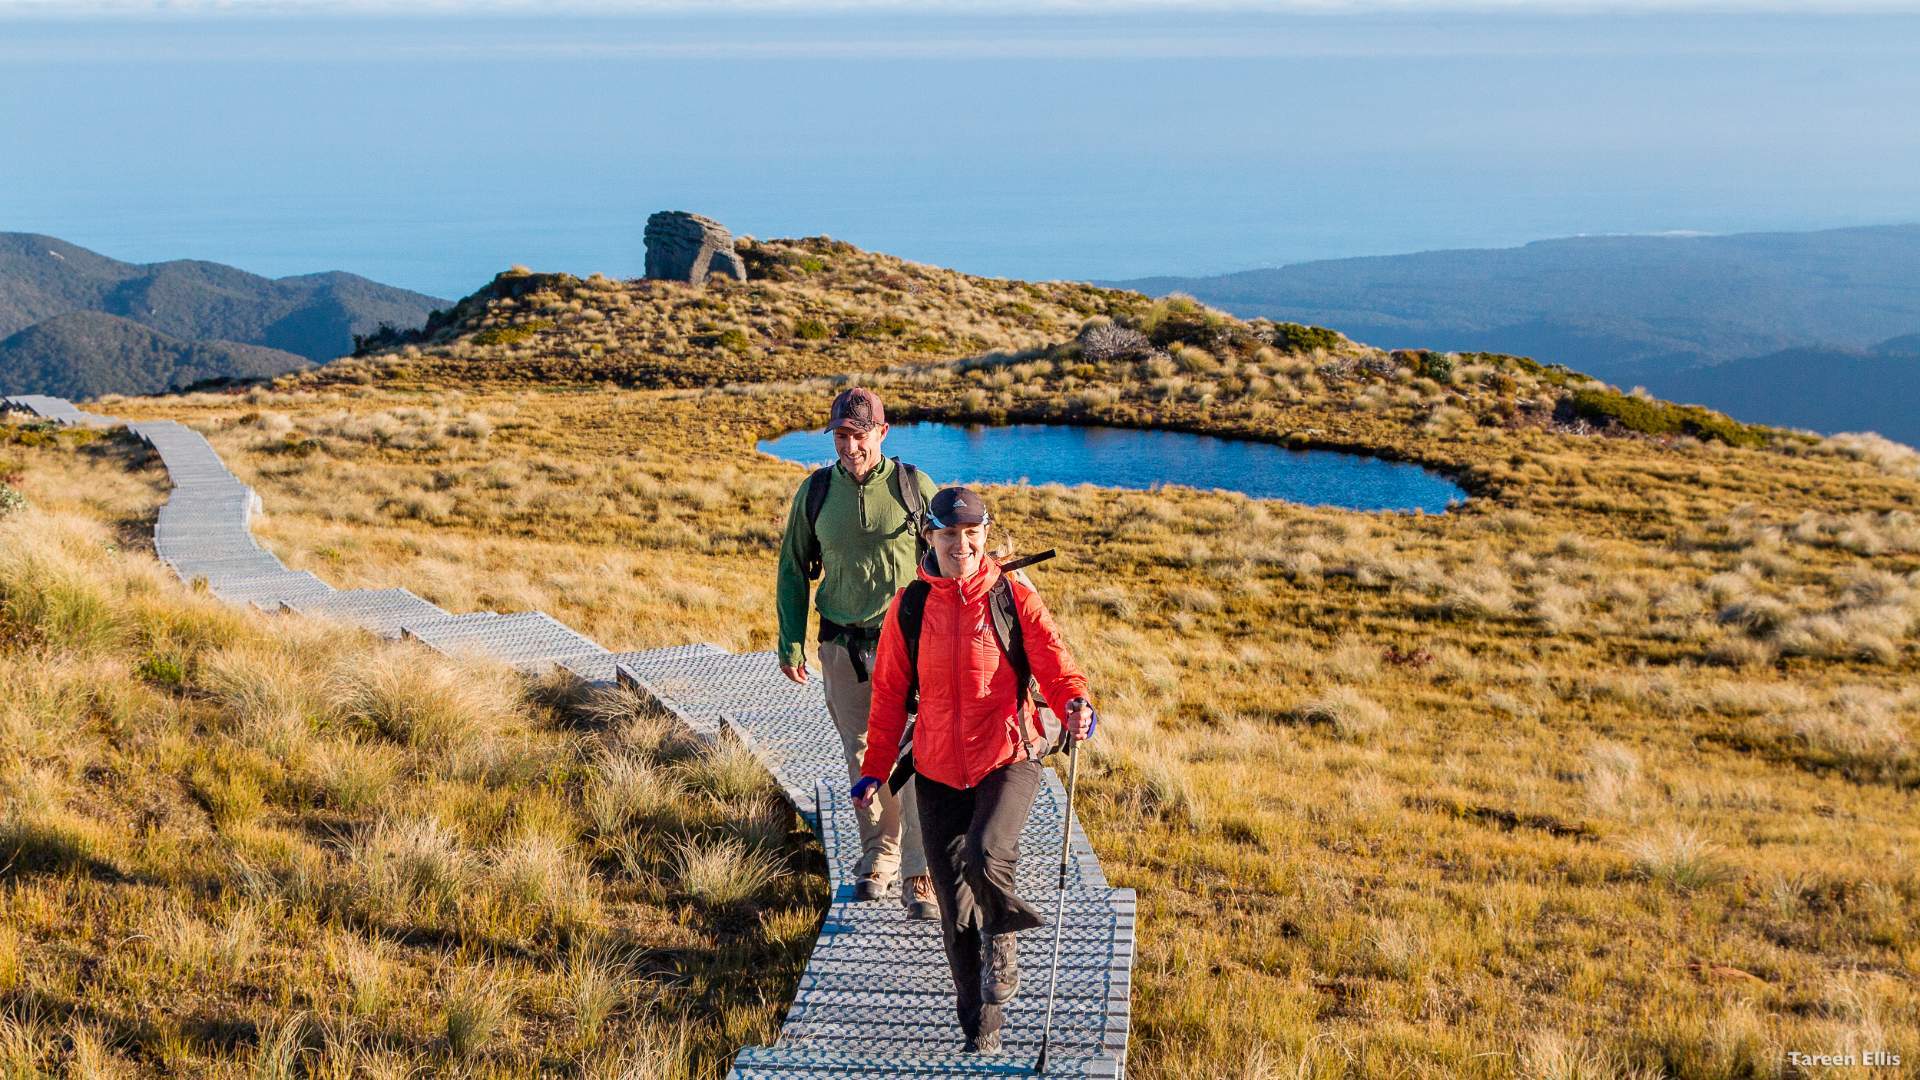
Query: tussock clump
point(722, 873)
point(1474, 592)
point(625, 788)
point(1152, 782)
point(1860, 731)
point(1112, 600)
point(1558, 608)
point(413, 867)
point(729, 772)
point(281, 1049)
point(1759, 616)
point(1680, 858)
point(596, 977)
point(1196, 598)
point(478, 1007)
point(1882, 453)
point(1350, 714)
point(436, 707)
point(1553, 1056)
point(1859, 635)
point(537, 876)
point(1612, 779)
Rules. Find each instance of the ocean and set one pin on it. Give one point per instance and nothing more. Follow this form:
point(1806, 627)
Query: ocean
point(433, 152)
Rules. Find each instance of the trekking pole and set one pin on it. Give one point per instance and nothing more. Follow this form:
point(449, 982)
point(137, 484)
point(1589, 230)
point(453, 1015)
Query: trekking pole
point(1060, 898)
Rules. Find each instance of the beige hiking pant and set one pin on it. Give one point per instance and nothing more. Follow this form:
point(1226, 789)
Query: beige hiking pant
point(889, 826)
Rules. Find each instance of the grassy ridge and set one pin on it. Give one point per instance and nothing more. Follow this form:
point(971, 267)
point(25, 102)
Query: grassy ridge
point(1611, 772)
point(813, 307)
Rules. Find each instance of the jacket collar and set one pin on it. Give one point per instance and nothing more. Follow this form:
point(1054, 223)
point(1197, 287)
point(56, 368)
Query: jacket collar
point(968, 589)
point(879, 473)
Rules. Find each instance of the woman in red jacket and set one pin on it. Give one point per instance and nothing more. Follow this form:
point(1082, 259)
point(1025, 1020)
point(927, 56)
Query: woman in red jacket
point(976, 748)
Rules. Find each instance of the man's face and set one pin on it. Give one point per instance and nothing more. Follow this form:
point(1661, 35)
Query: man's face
point(859, 450)
point(959, 549)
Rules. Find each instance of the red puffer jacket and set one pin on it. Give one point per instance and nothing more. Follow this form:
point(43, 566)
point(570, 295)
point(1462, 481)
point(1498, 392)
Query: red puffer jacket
point(970, 721)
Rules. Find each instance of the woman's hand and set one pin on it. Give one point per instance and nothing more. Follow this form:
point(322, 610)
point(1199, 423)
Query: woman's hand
point(863, 790)
point(1081, 719)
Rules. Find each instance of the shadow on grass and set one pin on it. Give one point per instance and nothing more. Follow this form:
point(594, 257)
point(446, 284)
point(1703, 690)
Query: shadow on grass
point(27, 848)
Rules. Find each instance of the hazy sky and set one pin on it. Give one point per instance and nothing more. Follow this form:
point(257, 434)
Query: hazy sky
point(1076, 7)
point(432, 150)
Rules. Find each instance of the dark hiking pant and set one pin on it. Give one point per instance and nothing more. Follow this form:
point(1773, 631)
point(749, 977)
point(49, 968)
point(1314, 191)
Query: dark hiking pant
point(972, 841)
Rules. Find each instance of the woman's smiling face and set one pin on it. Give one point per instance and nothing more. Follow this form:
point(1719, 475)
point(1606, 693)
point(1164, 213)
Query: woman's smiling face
point(959, 549)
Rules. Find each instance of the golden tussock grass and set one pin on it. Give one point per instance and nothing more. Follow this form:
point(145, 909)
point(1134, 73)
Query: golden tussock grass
point(1609, 772)
point(237, 844)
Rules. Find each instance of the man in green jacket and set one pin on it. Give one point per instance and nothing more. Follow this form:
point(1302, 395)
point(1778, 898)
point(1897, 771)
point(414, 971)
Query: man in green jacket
point(856, 526)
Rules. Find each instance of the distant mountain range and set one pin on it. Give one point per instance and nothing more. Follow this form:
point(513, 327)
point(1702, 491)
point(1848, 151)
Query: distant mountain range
point(1804, 329)
point(79, 324)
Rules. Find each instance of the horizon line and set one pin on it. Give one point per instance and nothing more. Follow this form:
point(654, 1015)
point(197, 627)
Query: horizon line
point(169, 9)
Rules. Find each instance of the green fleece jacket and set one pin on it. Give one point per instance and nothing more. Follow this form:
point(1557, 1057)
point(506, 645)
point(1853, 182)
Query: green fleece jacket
point(867, 551)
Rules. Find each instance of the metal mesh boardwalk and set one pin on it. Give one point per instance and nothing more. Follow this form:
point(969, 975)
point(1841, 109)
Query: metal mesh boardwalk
point(875, 1000)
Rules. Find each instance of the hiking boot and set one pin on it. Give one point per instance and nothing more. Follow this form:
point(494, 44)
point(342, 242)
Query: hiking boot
point(917, 896)
point(1000, 973)
point(871, 887)
point(985, 1039)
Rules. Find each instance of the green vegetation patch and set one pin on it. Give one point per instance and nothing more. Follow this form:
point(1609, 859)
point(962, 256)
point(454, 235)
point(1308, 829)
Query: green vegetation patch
point(1299, 337)
point(1552, 374)
point(877, 328)
point(1650, 417)
point(512, 335)
point(1431, 365)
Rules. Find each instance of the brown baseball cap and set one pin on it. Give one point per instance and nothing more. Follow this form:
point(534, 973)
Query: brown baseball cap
point(858, 408)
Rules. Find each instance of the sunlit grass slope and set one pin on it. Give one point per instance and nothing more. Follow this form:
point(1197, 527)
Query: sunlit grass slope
point(813, 306)
point(235, 844)
point(1612, 771)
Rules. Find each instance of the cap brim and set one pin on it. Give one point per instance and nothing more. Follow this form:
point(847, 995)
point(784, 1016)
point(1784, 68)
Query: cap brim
point(857, 425)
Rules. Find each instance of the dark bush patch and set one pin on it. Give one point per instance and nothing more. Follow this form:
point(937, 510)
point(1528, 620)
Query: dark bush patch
point(1651, 417)
point(163, 670)
point(508, 335)
point(1435, 366)
point(1298, 338)
point(884, 326)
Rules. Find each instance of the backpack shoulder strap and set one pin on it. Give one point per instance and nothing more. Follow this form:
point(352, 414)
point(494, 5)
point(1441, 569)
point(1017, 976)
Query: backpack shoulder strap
point(908, 479)
point(913, 611)
point(1006, 629)
point(817, 487)
point(910, 490)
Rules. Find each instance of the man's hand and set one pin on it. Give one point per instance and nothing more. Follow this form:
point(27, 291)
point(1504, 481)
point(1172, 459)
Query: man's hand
point(863, 790)
point(1081, 719)
point(796, 672)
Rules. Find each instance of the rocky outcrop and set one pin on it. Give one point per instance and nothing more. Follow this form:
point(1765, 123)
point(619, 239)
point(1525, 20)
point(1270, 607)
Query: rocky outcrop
point(687, 247)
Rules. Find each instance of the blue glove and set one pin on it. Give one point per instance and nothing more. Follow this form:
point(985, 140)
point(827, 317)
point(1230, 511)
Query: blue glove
point(864, 787)
point(1093, 715)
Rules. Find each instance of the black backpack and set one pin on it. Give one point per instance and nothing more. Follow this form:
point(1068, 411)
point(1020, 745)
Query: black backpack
point(909, 494)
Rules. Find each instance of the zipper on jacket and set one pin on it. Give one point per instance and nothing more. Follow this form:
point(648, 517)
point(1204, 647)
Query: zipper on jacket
point(955, 617)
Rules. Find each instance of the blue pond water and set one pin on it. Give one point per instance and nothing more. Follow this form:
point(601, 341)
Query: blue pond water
point(1127, 458)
